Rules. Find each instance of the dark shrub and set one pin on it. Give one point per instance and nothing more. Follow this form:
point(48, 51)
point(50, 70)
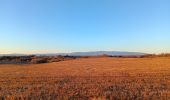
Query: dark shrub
point(39, 60)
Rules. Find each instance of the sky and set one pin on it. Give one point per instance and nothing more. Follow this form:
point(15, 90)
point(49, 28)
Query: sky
point(48, 26)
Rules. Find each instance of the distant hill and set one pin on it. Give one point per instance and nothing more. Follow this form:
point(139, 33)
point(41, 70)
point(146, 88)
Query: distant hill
point(95, 53)
point(14, 54)
point(91, 53)
point(112, 53)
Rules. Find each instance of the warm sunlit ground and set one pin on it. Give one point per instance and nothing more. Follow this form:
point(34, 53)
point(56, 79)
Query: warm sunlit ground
point(88, 78)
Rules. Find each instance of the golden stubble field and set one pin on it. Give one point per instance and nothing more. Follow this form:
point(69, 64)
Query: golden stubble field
point(88, 79)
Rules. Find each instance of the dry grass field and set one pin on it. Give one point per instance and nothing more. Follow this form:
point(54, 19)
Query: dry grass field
point(104, 78)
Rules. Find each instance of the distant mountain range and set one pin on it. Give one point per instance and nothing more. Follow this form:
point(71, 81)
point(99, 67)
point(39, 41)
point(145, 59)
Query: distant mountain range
point(14, 54)
point(112, 53)
point(92, 53)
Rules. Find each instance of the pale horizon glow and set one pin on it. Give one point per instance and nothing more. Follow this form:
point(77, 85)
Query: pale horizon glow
point(64, 51)
point(64, 26)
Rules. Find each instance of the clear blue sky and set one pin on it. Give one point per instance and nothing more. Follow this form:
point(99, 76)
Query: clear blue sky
point(40, 26)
